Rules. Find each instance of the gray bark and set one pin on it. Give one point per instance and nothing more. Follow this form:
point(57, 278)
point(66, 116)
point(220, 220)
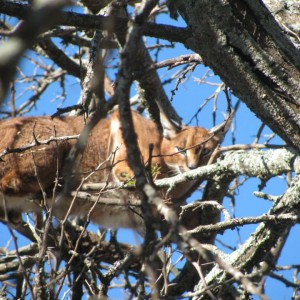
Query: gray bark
point(245, 46)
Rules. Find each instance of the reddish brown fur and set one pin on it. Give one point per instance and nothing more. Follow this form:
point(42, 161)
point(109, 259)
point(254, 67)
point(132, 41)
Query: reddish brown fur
point(18, 170)
point(23, 174)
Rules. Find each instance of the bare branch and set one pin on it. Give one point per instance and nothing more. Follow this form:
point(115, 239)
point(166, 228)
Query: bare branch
point(24, 36)
point(38, 143)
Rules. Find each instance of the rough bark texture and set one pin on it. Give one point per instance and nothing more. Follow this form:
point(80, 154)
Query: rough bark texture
point(244, 45)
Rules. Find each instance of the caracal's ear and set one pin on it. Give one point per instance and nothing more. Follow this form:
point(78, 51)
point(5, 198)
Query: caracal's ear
point(170, 127)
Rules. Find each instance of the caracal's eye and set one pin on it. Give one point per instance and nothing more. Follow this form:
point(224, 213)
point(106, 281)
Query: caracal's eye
point(181, 150)
point(205, 151)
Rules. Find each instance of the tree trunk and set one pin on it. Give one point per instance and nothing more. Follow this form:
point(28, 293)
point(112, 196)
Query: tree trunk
point(244, 45)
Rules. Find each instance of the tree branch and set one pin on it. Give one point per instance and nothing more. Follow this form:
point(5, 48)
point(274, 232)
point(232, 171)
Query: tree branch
point(85, 21)
point(39, 19)
point(247, 48)
point(260, 243)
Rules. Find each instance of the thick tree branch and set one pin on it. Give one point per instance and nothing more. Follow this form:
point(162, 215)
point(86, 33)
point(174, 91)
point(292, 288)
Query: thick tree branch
point(85, 21)
point(252, 163)
point(243, 44)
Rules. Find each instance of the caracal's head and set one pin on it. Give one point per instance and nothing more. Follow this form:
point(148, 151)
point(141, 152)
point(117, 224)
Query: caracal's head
point(190, 147)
